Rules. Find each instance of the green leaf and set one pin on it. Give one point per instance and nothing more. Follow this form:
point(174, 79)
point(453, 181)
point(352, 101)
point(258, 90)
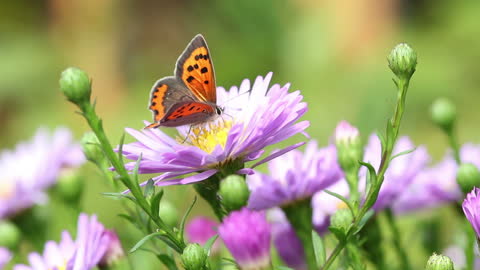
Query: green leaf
point(371, 176)
point(281, 267)
point(343, 199)
point(171, 244)
point(184, 218)
point(145, 239)
point(340, 233)
point(155, 203)
point(208, 245)
point(318, 248)
point(129, 219)
point(120, 150)
point(168, 261)
point(119, 196)
point(370, 213)
point(149, 188)
point(403, 153)
point(135, 170)
point(390, 135)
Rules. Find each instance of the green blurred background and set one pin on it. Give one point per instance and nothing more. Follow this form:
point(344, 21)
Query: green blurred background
point(333, 50)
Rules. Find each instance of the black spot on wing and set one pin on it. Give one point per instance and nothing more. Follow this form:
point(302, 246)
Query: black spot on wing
point(204, 70)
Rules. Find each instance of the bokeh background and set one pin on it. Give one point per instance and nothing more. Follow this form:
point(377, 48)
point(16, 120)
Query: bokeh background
point(334, 51)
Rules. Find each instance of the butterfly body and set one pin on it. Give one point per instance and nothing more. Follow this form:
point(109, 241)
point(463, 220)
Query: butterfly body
point(189, 97)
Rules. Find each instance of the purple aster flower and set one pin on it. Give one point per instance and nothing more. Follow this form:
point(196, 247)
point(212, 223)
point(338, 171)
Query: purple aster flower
point(401, 171)
point(247, 234)
point(288, 245)
point(200, 229)
point(5, 257)
point(471, 208)
point(254, 117)
point(346, 133)
point(34, 166)
point(294, 176)
point(114, 250)
point(83, 254)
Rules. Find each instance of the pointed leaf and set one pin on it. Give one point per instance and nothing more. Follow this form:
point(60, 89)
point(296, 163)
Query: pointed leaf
point(339, 233)
point(119, 196)
point(135, 170)
point(155, 203)
point(128, 218)
point(343, 199)
point(184, 218)
point(171, 244)
point(149, 188)
point(144, 240)
point(370, 213)
point(208, 245)
point(403, 153)
point(120, 149)
point(372, 175)
point(168, 261)
point(318, 248)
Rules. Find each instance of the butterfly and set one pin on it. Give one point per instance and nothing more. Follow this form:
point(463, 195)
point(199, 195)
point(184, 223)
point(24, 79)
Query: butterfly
point(189, 97)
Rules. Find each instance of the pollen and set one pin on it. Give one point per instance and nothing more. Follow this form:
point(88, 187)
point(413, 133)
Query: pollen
point(208, 136)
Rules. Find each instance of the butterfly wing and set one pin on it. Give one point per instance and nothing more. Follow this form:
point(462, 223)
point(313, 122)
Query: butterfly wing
point(187, 113)
point(195, 69)
point(166, 93)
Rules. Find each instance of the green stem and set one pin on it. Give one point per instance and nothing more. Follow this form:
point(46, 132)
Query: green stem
point(352, 180)
point(404, 262)
point(208, 190)
point(402, 85)
point(300, 217)
point(452, 139)
point(96, 125)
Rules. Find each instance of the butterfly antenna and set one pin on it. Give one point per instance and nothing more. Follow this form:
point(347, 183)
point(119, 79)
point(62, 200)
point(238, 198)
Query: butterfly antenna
point(230, 99)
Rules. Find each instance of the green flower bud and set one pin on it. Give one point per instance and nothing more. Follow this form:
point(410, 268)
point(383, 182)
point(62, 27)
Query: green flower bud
point(468, 177)
point(234, 192)
point(76, 86)
point(194, 257)
point(70, 186)
point(444, 113)
point(168, 213)
point(342, 218)
point(439, 262)
point(91, 147)
point(349, 147)
point(9, 235)
point(402, 61)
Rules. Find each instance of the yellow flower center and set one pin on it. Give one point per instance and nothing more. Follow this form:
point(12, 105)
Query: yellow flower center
point(207, 137)
point(62, 267)
point(6, 189)
point(341, 205)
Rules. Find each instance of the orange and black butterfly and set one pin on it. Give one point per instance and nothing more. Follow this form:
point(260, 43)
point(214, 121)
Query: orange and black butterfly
point(189, 97)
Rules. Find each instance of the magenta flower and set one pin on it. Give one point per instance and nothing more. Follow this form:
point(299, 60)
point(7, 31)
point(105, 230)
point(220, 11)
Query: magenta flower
point(200, 229)
point(286, 241)
point(33, 167)
point(247, 235)
point(294, 176)
point(471, 208)
point(254, 117)
point(114, 250)
point(82, 254)
point(5, 257)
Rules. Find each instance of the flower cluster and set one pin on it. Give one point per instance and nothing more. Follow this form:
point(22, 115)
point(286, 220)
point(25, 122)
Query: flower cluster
point(33, 167)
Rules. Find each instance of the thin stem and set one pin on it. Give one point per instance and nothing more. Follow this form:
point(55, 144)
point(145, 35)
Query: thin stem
point(404, 262)
point(385, 161)
point(452, 139)
point(96, 125)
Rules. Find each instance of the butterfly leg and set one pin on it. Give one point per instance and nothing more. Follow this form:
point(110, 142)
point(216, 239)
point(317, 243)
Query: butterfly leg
point(188, 133)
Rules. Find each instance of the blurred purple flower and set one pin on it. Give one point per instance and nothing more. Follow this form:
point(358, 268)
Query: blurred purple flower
point(85, 253)
point(5, 257)
point(325, 205)
point(262, 117)
point(286, 241)
point(200, 229)
point(401, 171)
point(471, 208)
point(114, 250)
point(294, 176)
point(346, 133)
point(247, 235)
point(34, 166)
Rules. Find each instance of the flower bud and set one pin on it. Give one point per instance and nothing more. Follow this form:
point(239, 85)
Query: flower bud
point(76, 86)
point(234, 192)
point(443, 113)
point(342, 218)
point(9, 235)
point(402, 61)
point(468, 177)
point(349, 147)
point(168, 213)
point(70, 186)
point(114, 251)
point(91, 147)
point(194, 257)
point(439, 262)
